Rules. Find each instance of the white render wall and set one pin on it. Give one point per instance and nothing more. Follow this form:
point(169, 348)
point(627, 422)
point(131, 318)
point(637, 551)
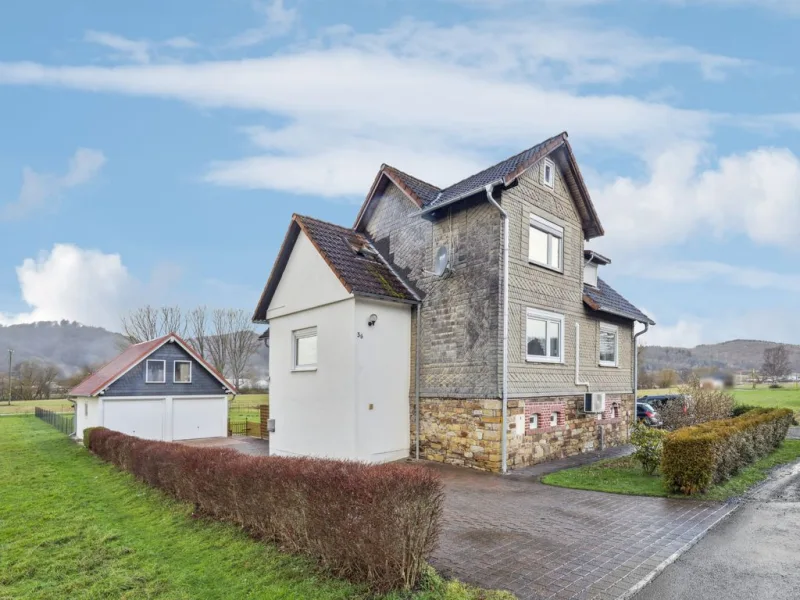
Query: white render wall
point(383, 363)
point(325, 412)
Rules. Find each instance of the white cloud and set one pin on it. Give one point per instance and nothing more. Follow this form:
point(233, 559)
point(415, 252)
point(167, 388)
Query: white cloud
point(72, 283)
point(42, 190)
point(756, 194)
point(685, 333)
point(790, 7)
point(136, 51)
point(277, 21)
point(711, 273)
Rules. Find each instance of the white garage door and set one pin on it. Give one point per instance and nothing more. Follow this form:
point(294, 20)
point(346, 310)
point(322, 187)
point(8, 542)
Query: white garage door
point(194, 418)
point(142, 418)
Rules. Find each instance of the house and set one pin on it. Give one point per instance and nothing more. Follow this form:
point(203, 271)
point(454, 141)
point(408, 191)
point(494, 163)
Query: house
point(158, 390)
point(525, 352)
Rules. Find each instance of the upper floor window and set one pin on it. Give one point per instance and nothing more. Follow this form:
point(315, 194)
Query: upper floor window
point(182, 371)
point(155, 371)
point(608, 345)
point(304, 351)
point(546, 243)
point(548, 173)
point(544, 336)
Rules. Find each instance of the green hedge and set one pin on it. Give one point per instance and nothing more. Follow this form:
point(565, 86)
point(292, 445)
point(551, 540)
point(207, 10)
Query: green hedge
point(697, 457)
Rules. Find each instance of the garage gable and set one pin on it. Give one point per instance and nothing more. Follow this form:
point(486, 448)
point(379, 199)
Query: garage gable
point(133, 382)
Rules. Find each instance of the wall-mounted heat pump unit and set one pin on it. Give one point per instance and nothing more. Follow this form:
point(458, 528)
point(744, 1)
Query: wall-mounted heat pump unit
point(594, 402)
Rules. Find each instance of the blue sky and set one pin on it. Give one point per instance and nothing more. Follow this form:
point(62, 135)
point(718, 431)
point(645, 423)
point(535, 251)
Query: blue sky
point(155, 151)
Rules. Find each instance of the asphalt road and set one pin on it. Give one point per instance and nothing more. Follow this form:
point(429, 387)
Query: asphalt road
point(754, 554)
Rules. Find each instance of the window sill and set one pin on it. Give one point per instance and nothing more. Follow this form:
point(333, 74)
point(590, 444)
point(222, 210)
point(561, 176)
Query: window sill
point(156, 382)
point(545, 266)
point(182, 382)
point(304, 369)
point(543, 361)
point(608, 365)
point(547, 429)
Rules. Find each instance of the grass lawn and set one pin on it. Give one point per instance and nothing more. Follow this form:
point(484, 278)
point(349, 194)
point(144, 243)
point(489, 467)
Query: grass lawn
point(19, 407)
point(784, 397)
point(625, 476)
point(72, 526)
point(246, 407)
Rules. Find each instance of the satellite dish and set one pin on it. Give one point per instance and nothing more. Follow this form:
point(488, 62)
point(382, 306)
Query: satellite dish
point(442, 261)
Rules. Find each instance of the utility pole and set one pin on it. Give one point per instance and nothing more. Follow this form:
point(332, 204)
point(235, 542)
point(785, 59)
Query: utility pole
point(10, 354)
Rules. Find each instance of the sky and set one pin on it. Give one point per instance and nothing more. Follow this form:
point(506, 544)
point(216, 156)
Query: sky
point(154, 152)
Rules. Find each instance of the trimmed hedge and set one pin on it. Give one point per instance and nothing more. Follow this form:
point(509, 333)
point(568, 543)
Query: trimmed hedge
point(371, 524)
point(697, 457)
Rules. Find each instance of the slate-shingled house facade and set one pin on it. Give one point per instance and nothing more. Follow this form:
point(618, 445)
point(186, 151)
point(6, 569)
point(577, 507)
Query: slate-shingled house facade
point(568, 332)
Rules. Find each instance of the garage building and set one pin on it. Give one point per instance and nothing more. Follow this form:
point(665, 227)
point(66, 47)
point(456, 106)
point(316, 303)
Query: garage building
point(157, 390)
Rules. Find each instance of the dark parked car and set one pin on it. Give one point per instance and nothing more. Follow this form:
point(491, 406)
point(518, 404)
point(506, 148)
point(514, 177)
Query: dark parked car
point(647, 414)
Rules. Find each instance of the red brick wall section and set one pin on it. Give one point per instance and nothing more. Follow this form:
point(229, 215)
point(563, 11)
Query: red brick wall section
point(544, 410)
point(264, 410)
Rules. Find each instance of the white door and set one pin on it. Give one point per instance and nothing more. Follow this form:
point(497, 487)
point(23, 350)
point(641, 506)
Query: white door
point(194, 418)
point(142, 418)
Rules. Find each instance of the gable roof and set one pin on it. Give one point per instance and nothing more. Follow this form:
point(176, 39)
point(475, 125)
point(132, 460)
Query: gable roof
point(132, 356)
point(352, 257)
point(429, 198)
point(604, 298)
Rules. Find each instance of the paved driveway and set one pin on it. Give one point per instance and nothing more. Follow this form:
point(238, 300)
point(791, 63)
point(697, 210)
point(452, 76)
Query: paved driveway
point(246, 445)
point(542, 542)
point(754, 554)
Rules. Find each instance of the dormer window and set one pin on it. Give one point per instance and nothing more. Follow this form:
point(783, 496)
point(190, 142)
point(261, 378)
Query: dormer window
point(592, 260)
point(548, 173)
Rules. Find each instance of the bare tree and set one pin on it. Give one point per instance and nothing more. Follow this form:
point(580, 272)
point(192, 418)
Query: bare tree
point(666, 378)
point(198, 330)
point(776, 362)
point(148, 323)
point(34, 379)
point(243, 343)
point(219, 340)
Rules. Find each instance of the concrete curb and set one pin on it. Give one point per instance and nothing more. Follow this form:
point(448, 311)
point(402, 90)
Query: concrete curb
point(677, 554)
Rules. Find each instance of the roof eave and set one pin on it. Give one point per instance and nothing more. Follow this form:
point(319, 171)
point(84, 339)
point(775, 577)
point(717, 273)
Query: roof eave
point(600, 308)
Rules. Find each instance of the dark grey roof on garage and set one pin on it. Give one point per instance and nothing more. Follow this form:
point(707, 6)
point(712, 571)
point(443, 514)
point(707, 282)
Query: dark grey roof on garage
point(604, 298)
point(352, 257)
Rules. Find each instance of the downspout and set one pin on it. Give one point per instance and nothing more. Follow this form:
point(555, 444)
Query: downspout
point(504, 395)
point(417, 352)
point(578, 357)
point(636, 374)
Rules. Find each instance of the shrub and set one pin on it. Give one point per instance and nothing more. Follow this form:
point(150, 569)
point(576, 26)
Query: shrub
point(700, 405)
point(372, 524)
point(740, 409)
point(696, 457)
point(775, 386)
point(648, 442)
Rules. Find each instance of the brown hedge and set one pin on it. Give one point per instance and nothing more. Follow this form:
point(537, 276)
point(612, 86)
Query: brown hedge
point(372, 524)
point(696, 457)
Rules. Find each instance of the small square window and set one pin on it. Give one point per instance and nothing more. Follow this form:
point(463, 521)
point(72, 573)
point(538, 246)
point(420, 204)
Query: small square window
point(545, 243)
point(533, 422)
point(548, 173)
point(156, 371)
point(305, 349)
point(553, 419)
point(183, 371)
point(544, 336)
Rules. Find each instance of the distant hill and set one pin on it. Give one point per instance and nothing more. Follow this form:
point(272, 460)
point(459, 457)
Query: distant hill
point(72, 346)
point(736, 355)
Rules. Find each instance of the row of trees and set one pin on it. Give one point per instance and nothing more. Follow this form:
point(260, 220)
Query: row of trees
point(30, 380)
point(223, 337)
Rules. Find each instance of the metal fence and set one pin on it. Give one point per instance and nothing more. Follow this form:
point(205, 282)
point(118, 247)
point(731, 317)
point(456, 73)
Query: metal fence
point(65, 423)
point(248, 427)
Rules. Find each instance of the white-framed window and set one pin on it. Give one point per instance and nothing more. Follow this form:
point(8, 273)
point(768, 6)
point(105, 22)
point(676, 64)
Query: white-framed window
point(548, 173)
point(554, 419)
point(546, 243)
point(609, 335)
point(544, 336)
point(304, 349)
point(182, 371)
point(533, 421)
point(155, 371)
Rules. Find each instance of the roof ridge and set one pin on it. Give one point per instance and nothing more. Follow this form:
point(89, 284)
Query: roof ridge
point(407, 174)
point(500, 162)
point(306, 217)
